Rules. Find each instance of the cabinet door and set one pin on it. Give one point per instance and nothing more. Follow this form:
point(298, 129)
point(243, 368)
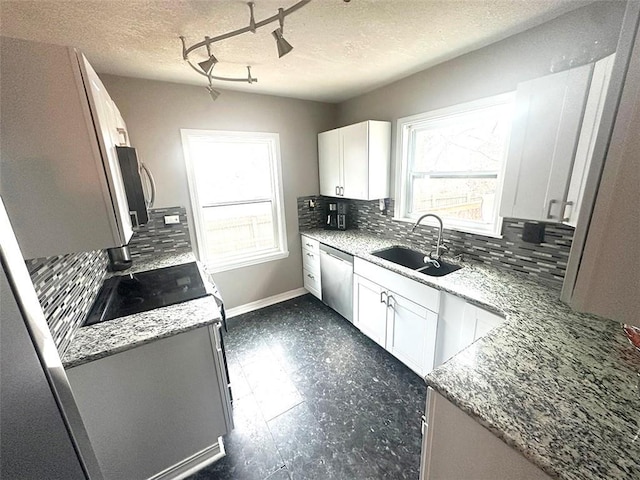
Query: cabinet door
point(329, 163)
point(371, 309)
point(412, 334)
point(543, 143)
point(588, 133)
point(355, 160)
point(104, 120)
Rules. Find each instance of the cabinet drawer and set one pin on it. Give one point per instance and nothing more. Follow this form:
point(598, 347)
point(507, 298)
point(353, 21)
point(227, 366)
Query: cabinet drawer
point(419, 293)
point(311, 261)
point(310, 244)
point(312, 282)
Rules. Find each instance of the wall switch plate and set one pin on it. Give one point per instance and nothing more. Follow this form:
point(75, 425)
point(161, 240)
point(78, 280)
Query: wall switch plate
point(171, 219)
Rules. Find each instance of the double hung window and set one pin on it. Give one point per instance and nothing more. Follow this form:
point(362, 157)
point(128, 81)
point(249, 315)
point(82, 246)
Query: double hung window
point(236, 196)
point(452, 163)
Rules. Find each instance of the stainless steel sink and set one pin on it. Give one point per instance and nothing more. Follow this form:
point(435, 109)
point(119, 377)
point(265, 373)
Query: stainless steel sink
point(414, 260)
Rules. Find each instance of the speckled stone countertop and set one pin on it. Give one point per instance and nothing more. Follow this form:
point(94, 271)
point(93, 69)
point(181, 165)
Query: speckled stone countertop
point(120, 334)
point(562, 388)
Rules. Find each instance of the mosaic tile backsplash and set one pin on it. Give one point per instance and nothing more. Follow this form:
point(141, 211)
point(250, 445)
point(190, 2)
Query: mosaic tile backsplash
point(66, 286)
point(156, 237)
point(547, 261)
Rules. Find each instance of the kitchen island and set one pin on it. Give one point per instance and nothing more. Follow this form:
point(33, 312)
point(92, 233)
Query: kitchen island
point(560, 387)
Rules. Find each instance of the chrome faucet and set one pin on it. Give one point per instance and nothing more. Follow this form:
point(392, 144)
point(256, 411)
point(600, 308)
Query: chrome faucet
point(440, 248)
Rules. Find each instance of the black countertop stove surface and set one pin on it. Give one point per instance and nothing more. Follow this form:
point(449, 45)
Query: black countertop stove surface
point(124, 295)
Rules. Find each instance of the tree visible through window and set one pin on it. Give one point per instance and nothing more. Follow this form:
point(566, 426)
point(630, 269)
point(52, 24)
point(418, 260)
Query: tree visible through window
point(236, 196)
point(452, 163)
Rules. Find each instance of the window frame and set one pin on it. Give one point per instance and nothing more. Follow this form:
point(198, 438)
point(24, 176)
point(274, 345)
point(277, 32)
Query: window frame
point(278, 212)
point(404, 176)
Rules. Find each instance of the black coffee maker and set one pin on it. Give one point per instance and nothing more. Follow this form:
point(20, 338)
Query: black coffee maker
point(336, 216)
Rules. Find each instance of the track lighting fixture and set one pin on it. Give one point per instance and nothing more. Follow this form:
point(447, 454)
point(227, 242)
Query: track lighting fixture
point(284, 47)
point(206, 67)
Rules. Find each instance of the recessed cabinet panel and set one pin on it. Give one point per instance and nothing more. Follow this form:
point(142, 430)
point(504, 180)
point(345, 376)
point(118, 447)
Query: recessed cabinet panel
point(330, 168)
point(412, 334)
point(355, 158)
point(371, 310)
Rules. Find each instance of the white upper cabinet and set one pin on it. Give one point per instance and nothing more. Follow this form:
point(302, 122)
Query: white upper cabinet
point(354, 161)
point(60, 177)
point(543, 142)
point(588, 133)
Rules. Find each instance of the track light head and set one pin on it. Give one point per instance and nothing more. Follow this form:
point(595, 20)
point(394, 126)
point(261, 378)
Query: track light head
point(284, 47)
point(208, 64)
point(213, 92)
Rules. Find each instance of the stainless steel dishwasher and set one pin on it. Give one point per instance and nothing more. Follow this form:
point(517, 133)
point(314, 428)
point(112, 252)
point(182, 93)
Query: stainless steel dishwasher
point(336, 278)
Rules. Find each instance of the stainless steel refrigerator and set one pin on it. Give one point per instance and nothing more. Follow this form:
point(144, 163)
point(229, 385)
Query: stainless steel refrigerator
point(41, 432)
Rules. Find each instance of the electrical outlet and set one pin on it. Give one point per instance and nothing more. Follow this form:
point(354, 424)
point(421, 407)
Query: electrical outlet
point(312, 204)
point(171, 219)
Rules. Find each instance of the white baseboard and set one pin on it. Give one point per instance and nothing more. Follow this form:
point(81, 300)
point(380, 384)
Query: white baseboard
point(265, 302)
point(191, 465)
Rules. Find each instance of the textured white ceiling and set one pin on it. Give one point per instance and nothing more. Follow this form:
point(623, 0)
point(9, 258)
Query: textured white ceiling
point(340, 49)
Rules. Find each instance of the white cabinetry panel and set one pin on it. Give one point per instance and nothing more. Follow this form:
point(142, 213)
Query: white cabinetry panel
point(398, 313)
point(354, 161)
point(60, 191)
point(370, 310)
point(311, 266)
point(543, 142)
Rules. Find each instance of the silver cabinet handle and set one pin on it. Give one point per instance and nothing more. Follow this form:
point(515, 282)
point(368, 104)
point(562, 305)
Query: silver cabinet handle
point(385, 300)
point(308, 245)
point(389, 300)
point(311, 276)
point(564, 210)
point(563, 207)
point(342, 191)
point(551, 203)
point(310, 255)
point(337, 190)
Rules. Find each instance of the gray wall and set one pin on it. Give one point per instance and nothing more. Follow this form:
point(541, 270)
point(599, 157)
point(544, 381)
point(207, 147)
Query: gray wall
point(492, 70)
point(156, 111)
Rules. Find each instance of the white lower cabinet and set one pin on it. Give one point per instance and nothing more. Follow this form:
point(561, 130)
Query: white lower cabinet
point(397, 313)
point(370, 309)
point(456, 446)
point(311, 265)
point(412, 333)
point(461, 324)
point(158, 410)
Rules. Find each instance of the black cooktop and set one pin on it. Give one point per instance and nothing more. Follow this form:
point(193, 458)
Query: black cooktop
point(139, 292)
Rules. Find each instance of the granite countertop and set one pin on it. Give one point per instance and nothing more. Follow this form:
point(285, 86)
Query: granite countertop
point(563, 388)
point(103, 339)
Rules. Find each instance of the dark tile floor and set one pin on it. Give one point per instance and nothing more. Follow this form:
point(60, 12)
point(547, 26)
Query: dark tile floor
point(316, 399)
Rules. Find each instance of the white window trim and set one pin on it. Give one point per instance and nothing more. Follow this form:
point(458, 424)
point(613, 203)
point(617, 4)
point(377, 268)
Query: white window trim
point(402, 163)
point(280, 230)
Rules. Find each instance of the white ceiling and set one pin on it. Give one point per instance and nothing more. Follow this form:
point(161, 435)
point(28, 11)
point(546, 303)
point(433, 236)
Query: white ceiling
point(340, 49)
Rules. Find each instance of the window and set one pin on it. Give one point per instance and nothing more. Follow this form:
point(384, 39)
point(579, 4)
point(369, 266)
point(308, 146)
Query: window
point(452, 163)
point(235, 184)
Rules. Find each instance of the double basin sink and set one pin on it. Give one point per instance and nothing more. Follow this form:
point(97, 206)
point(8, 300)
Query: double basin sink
point(414, 260)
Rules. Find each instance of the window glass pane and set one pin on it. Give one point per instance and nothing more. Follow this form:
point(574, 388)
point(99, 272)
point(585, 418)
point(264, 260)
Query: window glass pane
point(234, 230)
point(465, 142)
point(471, 199)
point(229, 171)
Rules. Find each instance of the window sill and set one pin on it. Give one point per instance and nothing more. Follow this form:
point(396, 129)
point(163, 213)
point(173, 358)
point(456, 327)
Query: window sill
point(455, 228)
point(246, 262)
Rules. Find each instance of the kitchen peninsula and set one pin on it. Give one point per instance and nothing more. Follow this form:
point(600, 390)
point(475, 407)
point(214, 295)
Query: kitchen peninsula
point(558, 386)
